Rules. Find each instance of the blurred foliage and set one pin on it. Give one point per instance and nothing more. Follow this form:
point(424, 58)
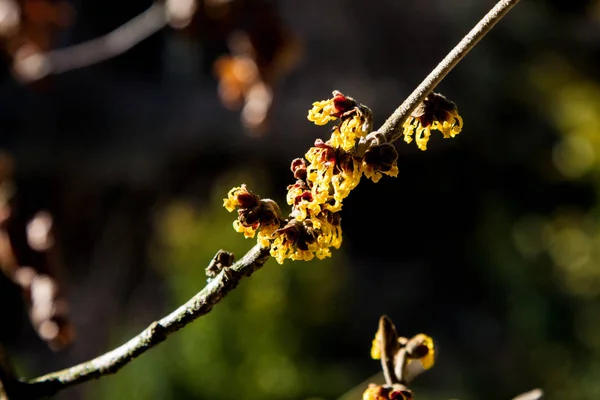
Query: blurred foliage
point(548, 263)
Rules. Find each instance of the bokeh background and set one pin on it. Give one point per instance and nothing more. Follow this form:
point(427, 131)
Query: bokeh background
point(489, 242)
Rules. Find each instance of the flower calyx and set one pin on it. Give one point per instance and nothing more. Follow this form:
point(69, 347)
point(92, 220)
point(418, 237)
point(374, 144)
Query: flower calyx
point(380, 159)
point(387, 392)
point(253, 212)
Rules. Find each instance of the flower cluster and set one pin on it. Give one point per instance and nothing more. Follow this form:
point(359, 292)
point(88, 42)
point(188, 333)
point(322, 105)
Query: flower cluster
point(324, 178)
point(402, 352)
point(326, 175)
point(418, 348)
point(434, 113)
point(355, 119)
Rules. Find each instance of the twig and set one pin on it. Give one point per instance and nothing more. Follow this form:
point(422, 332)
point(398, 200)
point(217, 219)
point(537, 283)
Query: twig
point(157, 332)
point(391, 127)
point(401, 362)
point(535, 394)
point(388, 345)
point(99, 49)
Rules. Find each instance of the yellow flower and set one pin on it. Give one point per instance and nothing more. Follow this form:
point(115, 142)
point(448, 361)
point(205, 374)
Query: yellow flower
point(347, 178)
point(330, 233)
point(254, 213)
point(231, 202)
point(375, 175)
point(302, 255)
point(376, 346)
point(240, 197)
point(332, 173)
point(267, 234)
point(422, 133)
point(304, 240)
point(322, 112)
point(375, 392)
point(303, 201)
point(429, 359)
point(339, 106)
point(248, 231)
point(434, 113)
point(421, 348)
point(380, 160)
point(281, 248)
point(349, 131)
point(322, 160)
point(453, 128)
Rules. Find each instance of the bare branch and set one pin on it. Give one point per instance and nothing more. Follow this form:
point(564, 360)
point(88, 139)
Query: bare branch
point(535, 394)
point(154, 334)
point(96, 50)
point(392, 126)
point(388, 343)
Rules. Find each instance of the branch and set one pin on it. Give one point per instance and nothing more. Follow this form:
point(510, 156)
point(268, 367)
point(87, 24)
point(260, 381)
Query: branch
point(111, 362)
point(388, 345)
point(535, 394)
point(100, 49)
point(391, 127)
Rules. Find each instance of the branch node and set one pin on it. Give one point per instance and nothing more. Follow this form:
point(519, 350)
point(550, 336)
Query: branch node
point(220, 261)
point(156, 333)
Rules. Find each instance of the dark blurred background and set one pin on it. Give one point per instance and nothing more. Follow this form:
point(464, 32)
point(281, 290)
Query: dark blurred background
point(489, 242)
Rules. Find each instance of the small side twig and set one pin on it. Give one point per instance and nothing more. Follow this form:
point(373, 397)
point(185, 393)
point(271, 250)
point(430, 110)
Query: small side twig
point(400, 363)
point(391, 128)
point(535, 394)
point(389, 346)
point(96, 50)
point(154, 334)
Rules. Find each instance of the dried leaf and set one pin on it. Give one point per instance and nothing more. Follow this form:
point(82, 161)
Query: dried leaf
point(28, 257)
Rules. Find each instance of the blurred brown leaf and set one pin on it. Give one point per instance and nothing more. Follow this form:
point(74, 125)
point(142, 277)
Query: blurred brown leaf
point(28, 29)
point(258, 50)
point(29, 258)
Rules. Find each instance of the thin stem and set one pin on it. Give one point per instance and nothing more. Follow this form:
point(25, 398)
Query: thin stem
point(391, 127)
point(400, 363)
point(535, 394)
point(114, 360)
point(388, 345)
point(96, 50)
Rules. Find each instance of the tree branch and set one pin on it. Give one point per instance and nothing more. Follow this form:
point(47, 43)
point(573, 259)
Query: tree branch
point(392, 126)
point(100, 49)
point(535, 394)
point(154, 334)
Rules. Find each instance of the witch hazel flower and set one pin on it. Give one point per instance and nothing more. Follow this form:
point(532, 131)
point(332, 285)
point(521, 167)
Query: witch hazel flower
point(327, 174)
point(434, 113)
